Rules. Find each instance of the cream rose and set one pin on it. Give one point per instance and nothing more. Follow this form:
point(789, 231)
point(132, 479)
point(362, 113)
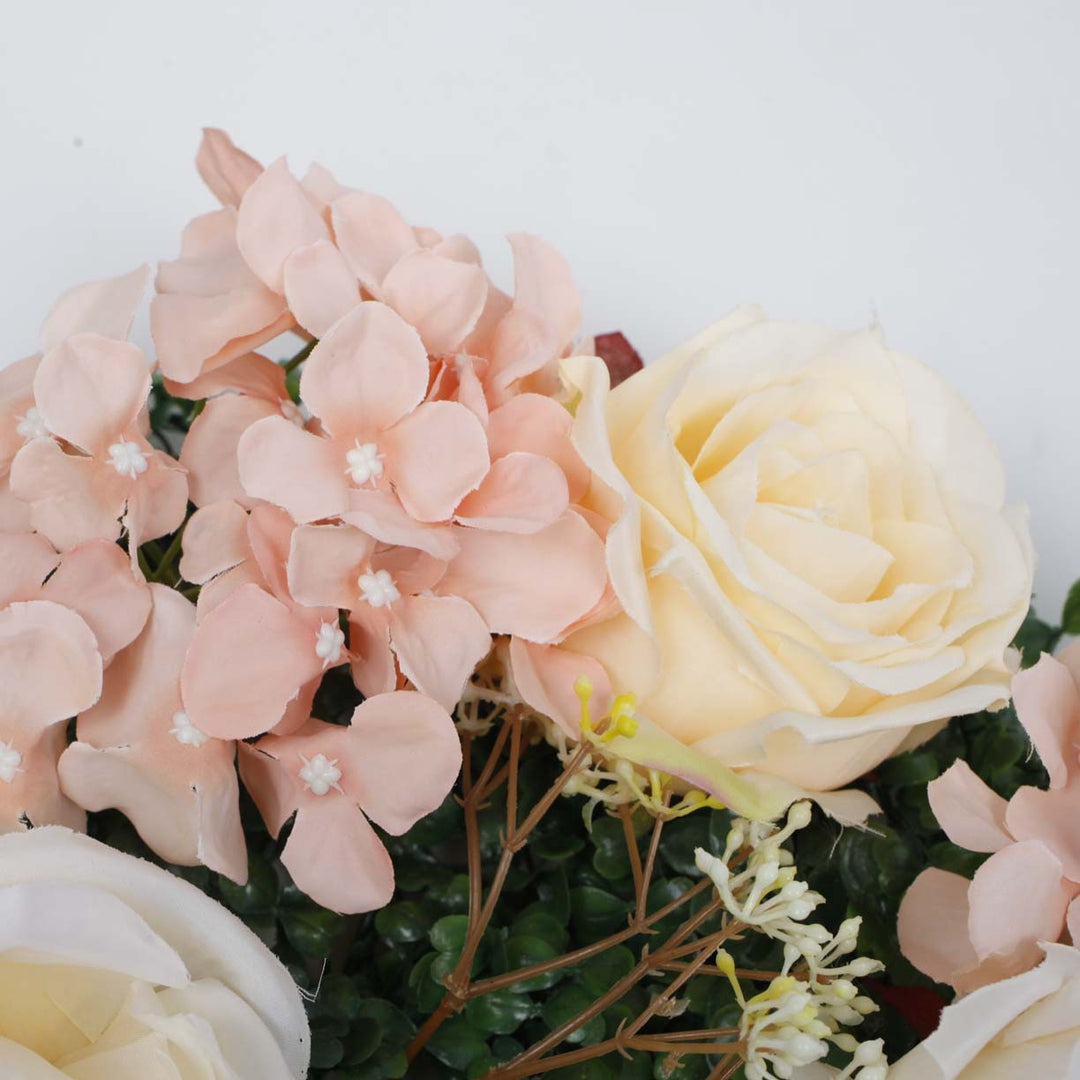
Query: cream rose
point(114, 969)
point(810, 544)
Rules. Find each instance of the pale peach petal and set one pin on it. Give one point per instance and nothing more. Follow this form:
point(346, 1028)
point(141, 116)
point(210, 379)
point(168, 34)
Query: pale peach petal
point(1017, 899)
point(90, 390)
point(16, 398)
point(971, 813)
point(544, 284)
point(298, 712)
point(371, 234)
point(438, 640)
point(209, 452)
point(250, 373)
point(157, 501)
point(322, 187)
point(522, 493)
point(1072, 920)
point(435, 457)
point(457, 247)
point(97, 582)
point(105, 307)
point(34, 798)
point(521, 345)
point(371, 659)
point(413, 571)
point(14, 512)
point(932, 925)
point(1052, 817)
point(26, 560)
point(274, 219)
point(226, 170)
point(71, 498)
point(1048, 705)
point(481, 341)
point(275, 790)
point(369, 371)
point(215, 540)
point(50, 667)
point(325, 562)
point(291, 468)
point(532, 585)
point(441, 297)
point(382, 516)
point(542, 426)
point(236, 684)
point(546, 678)
point(269, 532)
point(393, 736)
point(220, 588)
point(319, 286)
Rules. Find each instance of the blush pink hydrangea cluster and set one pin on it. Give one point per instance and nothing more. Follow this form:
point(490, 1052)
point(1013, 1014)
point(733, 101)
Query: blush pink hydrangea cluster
point(418, 495)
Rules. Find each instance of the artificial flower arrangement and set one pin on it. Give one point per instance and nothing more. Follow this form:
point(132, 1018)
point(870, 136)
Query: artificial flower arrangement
point(510, 708)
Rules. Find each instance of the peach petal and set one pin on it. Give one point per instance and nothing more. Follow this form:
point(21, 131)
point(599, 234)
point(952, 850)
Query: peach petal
point(298, 712)
point(972, 814)
point(50, 667)
point(16, 396)
point(220, 588)
point(319, 286)
point(269, 533)
point(248, 659)
point(90, 390)
point(291, 468)
point(413, 571)
point(435, 457)
point(546, 675)
point(441, 297)
point(370, 657)
point(274, 219)
point(106, 307)
point(226, 170)
point(324, 564)
point(457, 247)
point(932, 925)
point(1017, 899)
point(71, 498)
point(371, 234)
point(396, 735)
point(522, 493)
point(544, 284)
point(251, 373)
point(438, 640)
point(26, 560)
point(522, 344)
point(275, 791)
point(14, 512)
point(1048, 705)
point(382, 516)
point(533, 585)
point(369, 371)
point(34, 797)
point(1072, 919)
point(158, 501)
point(96, 581)
point(322, 187)
point(542, 426)
point(215, 540)
point(1052, 817)
point(209, 452)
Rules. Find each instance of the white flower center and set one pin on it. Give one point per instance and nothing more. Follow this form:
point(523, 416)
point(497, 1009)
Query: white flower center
point(320, 774)
point(31, 425)
point(329, 641)
point(365, 463)
point(185, 732)
point(127, 459)
point(378, 588)
point(291, 411)
point(10, 760)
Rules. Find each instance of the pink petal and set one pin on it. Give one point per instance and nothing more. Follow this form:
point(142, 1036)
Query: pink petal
point(522, 493)
point(50, 667)
point(96, 581)
point(249, 658)
point(90, 390)
point(393, 736)
point(1017, 899)
point(275, 789)
point(1052, 817)
point(439, 641)
point(217, 590)
point(1072, 919)
point(457, 247)
point(932, 925)
point(227, 171)
point(335, 857)
point(16, 396)
point(371, 234)
point(971, 813)
point(26, 560)
point(539, 425)
point(14, 513)
point(105, 307)
point(435, 457)
point(322, 187)
point(251, 374)
point(544, 284)
point(157, 502)
point(370, 656)
point(546, 676)
point(209, 452)
point(382, 516)
point(72, 498)
point(534, 585)
point(291, 468)
point(442, 298)
point(324, 564)
point(275, 218)
point(366, 374)
point(522, 344)
point(413, 571)
point(319, 286)
point(1048, 704)
point(215, 540)
point(269, 532)
point(34, 796)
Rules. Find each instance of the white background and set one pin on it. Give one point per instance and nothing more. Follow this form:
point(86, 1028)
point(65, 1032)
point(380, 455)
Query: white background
point(910, 160)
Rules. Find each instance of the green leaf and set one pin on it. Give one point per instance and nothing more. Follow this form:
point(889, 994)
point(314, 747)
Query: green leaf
point(525, 951)
point(311, 930)
point(567, 1003)
point(457, 1043)
point(404, 922)
point(449, 933)
point(326, 1052)
point(596, 912)
point(600, 973)
point(500, 1012)
point(611, 858)
point(534, 921)
point(364, 1038)
point(1070, 613)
